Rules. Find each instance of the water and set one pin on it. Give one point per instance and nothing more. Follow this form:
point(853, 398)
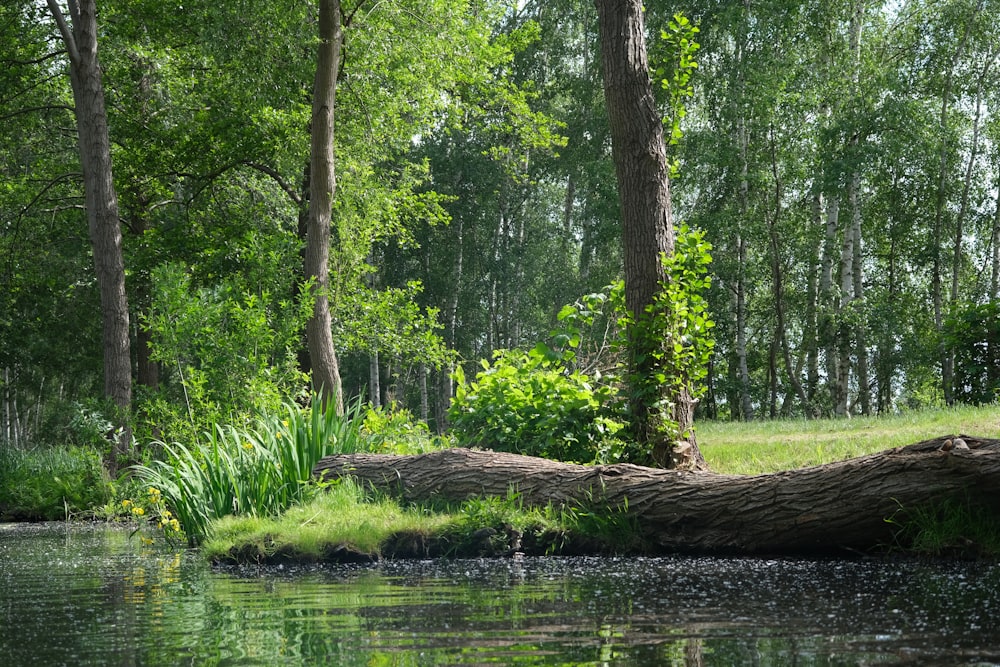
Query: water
point(90, 595)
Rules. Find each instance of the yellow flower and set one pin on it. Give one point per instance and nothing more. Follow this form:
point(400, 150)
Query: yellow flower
point(248, 445)
point(166, 514)
point(153, 491)
point(138, 511)
point(284, 422)
point(126, 503)
point(175, 525)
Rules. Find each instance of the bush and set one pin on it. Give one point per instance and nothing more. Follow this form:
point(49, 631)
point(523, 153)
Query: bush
point(527, 403)
point(51, 483)
point(397, 431)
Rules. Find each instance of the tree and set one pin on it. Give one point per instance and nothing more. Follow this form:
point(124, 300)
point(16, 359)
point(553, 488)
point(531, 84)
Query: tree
point(322, 187)
point(79, 34)
point(642, 172)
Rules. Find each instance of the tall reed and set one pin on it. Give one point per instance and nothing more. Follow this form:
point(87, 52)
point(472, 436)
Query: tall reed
point(260, 470)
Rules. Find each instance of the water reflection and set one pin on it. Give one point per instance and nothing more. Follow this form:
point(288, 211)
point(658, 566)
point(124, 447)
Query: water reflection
point(87, 595)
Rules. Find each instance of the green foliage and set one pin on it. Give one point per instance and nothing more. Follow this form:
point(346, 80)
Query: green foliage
point(229, 350)
point(682, 312)
point(391, 322)
point(677, 66)
point(51, 483)
point(589, 333)
point(256, 471)
point(394, 430)
point(528, 404)
point(540, 403)
point(972, 333)
point(953, 527)
point(674, 337)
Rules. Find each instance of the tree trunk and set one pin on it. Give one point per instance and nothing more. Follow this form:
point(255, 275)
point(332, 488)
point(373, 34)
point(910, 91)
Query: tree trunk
point(746, 402)
point(857, 284)
point(374, 381)
point(640, 157)
point(101, 201)
point(778, 285)
point(822, 509)
point(811, 333)
point(995, 245)
point(828, 308)
point(422, 384)
point(940, 210)
point(841, 403)
point(322, 185)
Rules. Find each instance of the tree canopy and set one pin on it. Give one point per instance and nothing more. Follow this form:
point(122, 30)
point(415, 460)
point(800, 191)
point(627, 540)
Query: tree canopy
point(842, 159)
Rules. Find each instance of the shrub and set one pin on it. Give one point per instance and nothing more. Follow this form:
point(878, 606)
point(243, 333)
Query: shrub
point(397, 431)
point(51, 483)
point(527, 403)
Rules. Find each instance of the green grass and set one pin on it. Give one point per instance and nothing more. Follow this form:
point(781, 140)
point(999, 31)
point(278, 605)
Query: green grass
point(955, 527)
point(747, 448)
point(343, 519)
point(258, 471)
point(341, 515)
point(51, 483)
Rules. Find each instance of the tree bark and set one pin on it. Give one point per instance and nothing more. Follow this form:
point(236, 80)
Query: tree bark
point(640, 157)
point(827, 320)
point(995, 245)
point(101, 201)
point(322, 186)
point(823, 509)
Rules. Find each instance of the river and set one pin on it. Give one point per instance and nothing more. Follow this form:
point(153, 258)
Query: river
point(73, 594)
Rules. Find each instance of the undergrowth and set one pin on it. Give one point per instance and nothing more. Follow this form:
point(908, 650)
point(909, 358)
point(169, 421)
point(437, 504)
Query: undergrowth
point(952, 527)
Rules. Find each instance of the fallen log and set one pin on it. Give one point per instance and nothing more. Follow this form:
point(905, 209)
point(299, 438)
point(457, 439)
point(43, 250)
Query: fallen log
point(822, 509)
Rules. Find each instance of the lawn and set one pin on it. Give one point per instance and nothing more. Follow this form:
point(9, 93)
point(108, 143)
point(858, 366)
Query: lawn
point(745, 448)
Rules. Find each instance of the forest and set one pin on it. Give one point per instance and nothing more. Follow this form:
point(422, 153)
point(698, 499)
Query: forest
point(838, 159)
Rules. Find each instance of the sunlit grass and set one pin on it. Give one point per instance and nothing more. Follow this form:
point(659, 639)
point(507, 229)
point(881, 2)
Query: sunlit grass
point(339, 515)
point(745, 448)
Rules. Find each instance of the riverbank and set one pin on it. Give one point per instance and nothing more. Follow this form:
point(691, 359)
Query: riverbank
point(343, 523)
point(925, 499)
point(498, 527)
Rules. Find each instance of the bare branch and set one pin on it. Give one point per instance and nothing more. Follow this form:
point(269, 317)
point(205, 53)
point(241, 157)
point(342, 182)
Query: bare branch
point(64, 28)
point(47, 107)
point(282, 183)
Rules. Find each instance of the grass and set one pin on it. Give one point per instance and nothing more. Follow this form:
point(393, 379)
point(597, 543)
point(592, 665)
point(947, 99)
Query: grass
point(50, 483)
point(342, 522)
point(259, 471)
point(955, 527)
point(340, 516)
point(748, 448)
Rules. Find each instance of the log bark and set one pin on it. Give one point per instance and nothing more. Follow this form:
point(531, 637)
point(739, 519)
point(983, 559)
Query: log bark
point(822, 509)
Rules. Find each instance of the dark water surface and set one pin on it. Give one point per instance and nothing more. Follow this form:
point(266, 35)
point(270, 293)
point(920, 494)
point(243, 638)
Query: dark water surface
point(89, 595)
